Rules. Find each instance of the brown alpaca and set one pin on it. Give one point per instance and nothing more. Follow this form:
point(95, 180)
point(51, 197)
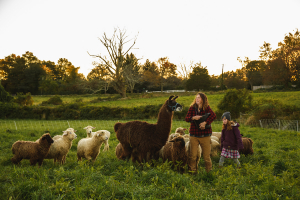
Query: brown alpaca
point(247, 143)
point(34, 151)
point(141, 138)
point(175, 151)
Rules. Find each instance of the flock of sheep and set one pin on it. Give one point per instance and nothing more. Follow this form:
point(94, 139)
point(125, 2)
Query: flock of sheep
point(58, 147)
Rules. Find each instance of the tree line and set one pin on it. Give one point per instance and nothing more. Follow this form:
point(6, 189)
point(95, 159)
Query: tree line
point(121, 71)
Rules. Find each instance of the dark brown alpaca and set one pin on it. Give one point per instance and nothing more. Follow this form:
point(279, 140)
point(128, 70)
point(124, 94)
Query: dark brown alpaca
point(34, 151)
point(142, 140)
point(247, 143)
point(175, 151)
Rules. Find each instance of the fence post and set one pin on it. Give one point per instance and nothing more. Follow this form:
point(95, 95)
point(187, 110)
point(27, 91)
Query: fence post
point(68, 124)
point(297, 126)
point(261, 126)
point(16, 125)
point(279, 124)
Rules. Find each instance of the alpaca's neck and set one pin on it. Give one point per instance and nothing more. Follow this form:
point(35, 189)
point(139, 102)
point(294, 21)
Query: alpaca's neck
point(164, 120)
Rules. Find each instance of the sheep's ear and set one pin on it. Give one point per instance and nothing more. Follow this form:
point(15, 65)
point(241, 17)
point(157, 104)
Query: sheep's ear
point(75, 131)
point(65, 133)
point(93, 127)
point(98, 134)
point(85, 128)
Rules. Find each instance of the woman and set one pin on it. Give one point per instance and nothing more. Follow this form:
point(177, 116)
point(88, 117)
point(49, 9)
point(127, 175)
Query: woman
point(200, 135)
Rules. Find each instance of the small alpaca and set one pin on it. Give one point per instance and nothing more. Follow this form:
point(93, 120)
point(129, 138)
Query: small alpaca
point(175, 151)
point(145, 139)
point(34, 151)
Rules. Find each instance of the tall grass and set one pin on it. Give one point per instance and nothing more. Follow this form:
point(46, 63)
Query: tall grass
point(271, 173)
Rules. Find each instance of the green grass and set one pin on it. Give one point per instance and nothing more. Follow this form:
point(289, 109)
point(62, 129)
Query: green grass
point(271, 173)
point(135, 100)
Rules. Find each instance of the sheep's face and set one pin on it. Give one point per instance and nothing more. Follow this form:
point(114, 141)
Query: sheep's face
point(101, 135)
point(71, 135)
point(179, 140)
point(47, 138)
point(173, 105)
point(89, 129)
point(174, 135)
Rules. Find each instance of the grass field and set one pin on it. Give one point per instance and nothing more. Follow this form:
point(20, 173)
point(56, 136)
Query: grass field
point(271, 173)
point(135, 100)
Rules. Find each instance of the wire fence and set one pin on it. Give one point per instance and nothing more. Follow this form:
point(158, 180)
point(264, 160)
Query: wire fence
point(44, 125)
point(280, 124)
point(48, 125)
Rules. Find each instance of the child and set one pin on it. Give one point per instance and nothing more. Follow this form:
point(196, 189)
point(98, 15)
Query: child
point(231, 140)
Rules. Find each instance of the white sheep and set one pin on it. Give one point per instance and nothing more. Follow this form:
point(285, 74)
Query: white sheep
point(60, 136)
point(214, 138)
point(90, 133)
point(89, 148)
point(218, 135)
point(215, 148)
point(61, 146)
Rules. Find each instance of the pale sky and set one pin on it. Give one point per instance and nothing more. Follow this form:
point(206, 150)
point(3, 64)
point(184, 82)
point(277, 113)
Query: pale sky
point(210, 32)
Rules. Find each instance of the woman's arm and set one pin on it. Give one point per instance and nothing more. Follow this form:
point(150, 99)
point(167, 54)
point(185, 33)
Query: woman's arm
point(190, 114)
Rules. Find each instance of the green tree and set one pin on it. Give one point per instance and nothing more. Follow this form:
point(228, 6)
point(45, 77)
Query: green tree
point(165, 70)
point(131, 71)
point(235, 79)
point(198, 79)
point(254, 70)
point(99, 78)
point(236, 102)
point(4, 96)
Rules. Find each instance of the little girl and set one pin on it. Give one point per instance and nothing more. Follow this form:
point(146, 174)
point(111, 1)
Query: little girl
point(231, 140)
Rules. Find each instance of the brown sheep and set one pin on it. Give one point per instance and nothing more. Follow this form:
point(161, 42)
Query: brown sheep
point(34, 151)
point(180, 130)
point(144, 138)
point(119, 150)
point(247, 143)
point(175, 151)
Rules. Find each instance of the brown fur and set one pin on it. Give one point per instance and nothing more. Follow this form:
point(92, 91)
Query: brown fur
point(34, 151)
point(175, 151)
point(141, 138)
point(247, 143)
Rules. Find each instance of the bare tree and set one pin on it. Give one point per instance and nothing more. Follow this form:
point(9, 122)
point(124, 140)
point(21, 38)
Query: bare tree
point(185, 70)
point(131, 71)
point(115, 63)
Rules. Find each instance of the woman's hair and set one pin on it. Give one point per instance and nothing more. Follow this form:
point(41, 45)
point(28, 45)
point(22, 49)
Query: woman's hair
point(228, 125)
point(204, 100)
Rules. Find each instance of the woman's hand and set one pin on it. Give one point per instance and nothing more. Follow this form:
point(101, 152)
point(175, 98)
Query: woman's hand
point(197, 117)
point(202, 125)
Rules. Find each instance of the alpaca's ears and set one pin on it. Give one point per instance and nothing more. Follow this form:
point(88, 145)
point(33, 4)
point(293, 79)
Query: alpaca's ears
point(175, 98)
point(170, 98)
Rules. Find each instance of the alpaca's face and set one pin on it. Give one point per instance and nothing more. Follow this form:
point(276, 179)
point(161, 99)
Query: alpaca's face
point(179, 140)
point(173, 105)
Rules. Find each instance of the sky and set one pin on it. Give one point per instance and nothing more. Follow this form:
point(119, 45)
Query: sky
point(214, 32)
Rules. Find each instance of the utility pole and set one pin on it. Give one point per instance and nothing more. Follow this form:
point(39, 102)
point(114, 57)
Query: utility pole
point(222, 77)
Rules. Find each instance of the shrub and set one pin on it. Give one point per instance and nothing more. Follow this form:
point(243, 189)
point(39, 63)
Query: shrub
point(4, 96)
point(56, 100)
point(23, 99)
point(235, 101)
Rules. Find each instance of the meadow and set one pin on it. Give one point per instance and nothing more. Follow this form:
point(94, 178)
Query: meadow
point(272, 172)
point(135, 100)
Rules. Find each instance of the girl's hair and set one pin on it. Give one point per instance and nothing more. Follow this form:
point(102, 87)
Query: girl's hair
point(204, 101)
point(228, 125)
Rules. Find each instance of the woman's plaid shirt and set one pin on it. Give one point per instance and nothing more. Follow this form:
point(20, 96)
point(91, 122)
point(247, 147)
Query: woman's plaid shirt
point(194, 131)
